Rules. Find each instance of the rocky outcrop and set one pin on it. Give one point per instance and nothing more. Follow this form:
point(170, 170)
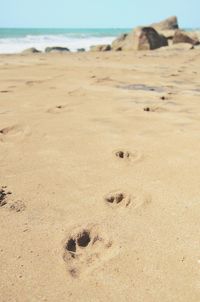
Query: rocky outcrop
point(102, 47)
point(142, 38)
point(56, 49)
point(170, 23)
point(119, 42)
point(31, 50)
point(183, 37)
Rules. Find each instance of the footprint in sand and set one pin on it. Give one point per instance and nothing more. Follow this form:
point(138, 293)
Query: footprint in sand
point(5, 91)
point(13, 132)
point(122, 154)
point(18, 206)
point(154, 109)
point(77, 92)
point(118, 198)
point(163, 98)
point(31, 83)
point(57, 109)
point(127, 155)
point(85, 249)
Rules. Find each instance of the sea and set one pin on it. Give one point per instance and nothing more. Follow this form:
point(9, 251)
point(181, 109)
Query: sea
point(15, 40)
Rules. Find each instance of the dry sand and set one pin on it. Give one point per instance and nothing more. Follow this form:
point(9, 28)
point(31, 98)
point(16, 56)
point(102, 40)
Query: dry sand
point(105, 202)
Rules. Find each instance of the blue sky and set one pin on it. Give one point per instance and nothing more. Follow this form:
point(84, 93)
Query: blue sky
point(91, 13)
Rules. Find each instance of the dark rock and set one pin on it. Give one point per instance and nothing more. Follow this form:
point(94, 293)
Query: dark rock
point(56, 49)
point(81, 50)
point(101, 47)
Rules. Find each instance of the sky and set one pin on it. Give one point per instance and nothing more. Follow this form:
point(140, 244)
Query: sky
point(96, 14)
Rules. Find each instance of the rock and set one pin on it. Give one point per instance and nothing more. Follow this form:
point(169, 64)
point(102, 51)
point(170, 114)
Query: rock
point(184, 37)
point(142, 38)
point(102, 47)
point(169, 34)
point(167, 27)
point(118, 43)
point(178, 47)
point(31, 50)
point(56, 49)
point(148, 37)
point(81, 50)
point(167, 24)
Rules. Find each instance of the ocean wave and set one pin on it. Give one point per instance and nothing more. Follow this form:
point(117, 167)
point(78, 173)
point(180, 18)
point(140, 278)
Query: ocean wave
point(73, 42)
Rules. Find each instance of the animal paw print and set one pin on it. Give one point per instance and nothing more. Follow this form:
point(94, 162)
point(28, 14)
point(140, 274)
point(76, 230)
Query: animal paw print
point(57, 109)
point(127, 155)
point(122, 154)
point(85, 249)
point(14, 132)
point(118, 198)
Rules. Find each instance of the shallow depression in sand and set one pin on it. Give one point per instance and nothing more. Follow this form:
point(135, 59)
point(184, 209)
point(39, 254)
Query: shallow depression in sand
point(84, 250)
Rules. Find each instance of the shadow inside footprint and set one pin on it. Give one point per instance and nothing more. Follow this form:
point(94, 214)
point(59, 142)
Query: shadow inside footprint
point(84, 239)
point(126, 156)
point(71, 245)
point(3, 196)
point(122, 154)
point(117, 198)
point(6, 130)
point(81, 240)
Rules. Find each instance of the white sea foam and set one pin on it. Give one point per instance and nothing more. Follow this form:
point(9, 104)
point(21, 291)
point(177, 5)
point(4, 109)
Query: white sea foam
point(17, 45)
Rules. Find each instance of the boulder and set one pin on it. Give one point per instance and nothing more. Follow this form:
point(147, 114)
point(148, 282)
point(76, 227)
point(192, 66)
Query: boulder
point(118, 43)
point(177, 47)
point(184, 37)
point(81, 50)
point(31, 50)
point(101, 47)
point(169, 34)
point(56, 49)
point(170, 23)
point(142, 38)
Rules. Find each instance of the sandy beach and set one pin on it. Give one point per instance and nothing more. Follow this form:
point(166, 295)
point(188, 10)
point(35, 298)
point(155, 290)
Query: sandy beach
point(100, 176)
